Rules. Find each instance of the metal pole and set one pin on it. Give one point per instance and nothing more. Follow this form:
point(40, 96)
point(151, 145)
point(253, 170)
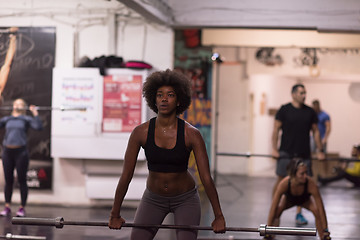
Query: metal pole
point(270, 156)
point(59, 222)
point(8, 31)
point(46, 108)
point(25, 237)
point(216, 120)
point(243, 154)
point(216, 58)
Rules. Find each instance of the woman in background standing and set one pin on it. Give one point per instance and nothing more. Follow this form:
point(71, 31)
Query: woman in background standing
point(15, 153)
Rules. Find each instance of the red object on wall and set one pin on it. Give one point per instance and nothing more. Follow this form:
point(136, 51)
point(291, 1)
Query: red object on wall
point(192, 37)
point(121, 102)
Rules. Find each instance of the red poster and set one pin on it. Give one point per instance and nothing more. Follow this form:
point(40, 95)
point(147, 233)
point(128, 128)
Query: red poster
point(121, 103)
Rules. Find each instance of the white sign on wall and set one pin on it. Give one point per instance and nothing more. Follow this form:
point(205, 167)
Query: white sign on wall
point(79, 134)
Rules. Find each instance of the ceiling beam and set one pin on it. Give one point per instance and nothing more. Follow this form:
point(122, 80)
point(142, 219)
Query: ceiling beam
point(153, 10)
point(278, 38)
point(322, 15)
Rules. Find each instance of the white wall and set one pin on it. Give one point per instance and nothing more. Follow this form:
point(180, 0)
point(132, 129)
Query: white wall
point(337, 71)
point(91, 20)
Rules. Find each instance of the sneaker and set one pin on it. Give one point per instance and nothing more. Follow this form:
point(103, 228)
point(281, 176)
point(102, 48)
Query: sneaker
point(326, 235)
point(300, 219)
point(6, 212)
point(268, 237)
point(20, 212)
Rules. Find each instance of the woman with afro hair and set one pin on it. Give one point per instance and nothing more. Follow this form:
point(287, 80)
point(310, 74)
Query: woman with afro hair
point(167, 141)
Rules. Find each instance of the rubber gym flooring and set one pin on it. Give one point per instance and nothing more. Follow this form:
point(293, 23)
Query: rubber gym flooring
point(245, 203)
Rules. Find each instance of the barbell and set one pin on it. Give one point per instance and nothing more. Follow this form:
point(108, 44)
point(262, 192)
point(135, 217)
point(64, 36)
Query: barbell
point(8, 31)
point(59, 222)
point(46, 108)
point(24, 237)
point(248, 154)
point(14, 30)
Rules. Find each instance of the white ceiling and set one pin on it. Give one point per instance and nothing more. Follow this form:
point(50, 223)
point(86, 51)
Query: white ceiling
point(320, 15)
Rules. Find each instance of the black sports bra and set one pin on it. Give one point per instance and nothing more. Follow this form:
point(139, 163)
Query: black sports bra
point(167, 160)
point(298, 200)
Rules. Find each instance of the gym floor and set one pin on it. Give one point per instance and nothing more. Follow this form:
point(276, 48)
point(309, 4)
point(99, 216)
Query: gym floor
point(245, 202)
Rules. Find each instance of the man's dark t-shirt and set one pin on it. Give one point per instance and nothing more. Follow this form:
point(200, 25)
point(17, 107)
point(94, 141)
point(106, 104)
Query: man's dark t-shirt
point(296, 126)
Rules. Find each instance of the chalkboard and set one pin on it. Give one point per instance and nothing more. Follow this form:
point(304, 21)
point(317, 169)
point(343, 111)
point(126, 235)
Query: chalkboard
point(31, 79)
point(93, 134)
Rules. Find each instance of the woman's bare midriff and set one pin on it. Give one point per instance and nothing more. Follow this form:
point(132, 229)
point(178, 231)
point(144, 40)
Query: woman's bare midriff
point(170, 184)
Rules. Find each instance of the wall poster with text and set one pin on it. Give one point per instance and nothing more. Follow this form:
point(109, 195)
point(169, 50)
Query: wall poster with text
point(122, 102)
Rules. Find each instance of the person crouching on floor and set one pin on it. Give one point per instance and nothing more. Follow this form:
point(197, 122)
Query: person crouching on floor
point(298, 189)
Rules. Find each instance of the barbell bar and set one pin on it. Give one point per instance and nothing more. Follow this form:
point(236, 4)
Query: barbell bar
point(59, 222)
point(15, 31)
point(8, 31)
point(24, 237)
point(47, 108)
point(248, 154)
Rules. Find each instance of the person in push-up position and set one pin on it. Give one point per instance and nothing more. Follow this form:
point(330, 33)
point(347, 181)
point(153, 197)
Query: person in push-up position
point(298, 189)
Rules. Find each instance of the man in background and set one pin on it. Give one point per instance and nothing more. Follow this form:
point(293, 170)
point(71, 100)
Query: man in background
point(295, 120)
point(324, 124)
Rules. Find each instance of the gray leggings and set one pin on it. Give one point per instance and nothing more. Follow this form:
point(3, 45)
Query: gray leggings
point(153, 209)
